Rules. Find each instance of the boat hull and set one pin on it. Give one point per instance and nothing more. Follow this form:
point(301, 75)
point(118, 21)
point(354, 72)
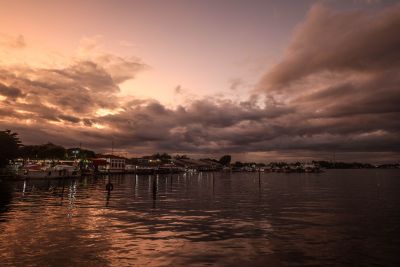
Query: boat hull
point(48, 174)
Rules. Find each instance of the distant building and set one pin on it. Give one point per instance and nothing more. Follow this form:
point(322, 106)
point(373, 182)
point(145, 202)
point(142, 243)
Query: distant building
point(110, 163)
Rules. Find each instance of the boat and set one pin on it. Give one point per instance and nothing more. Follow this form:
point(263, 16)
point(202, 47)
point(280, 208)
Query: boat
point(36, 171)
point(311, 168)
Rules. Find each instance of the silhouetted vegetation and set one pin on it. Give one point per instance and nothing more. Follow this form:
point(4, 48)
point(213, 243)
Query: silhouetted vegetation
point(343, 165)
point(225, 160)
point(238, 164)
point(164, 157)
point(52, 151)
point(46, 151)
point(9, 144)
point(181, 157)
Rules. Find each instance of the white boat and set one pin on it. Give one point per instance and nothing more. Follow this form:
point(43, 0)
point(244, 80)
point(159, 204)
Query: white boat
point(58, 171)
point(310, 167)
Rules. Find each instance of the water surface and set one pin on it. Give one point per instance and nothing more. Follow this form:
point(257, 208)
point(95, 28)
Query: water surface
point(336, 218)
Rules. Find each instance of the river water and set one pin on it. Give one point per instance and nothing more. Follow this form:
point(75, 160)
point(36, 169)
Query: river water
point(335, 218)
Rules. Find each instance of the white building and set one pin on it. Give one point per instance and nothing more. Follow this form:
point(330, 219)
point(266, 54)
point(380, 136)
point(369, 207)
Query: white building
point(111, 164)
point(115, 164)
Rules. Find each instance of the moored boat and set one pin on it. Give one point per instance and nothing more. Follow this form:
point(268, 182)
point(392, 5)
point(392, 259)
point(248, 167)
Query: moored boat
point(35, 171)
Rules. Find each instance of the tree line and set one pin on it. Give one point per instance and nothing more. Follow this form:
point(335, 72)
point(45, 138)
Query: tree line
point(11, 147)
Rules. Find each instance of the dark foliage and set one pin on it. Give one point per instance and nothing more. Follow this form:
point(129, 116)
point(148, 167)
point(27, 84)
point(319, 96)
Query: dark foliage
point(9, 144)
point(164, 157)
point(46, 151)
point(225, 160)
point(343, 165)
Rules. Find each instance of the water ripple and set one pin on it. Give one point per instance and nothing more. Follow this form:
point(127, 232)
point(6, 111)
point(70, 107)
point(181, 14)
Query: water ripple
point(330, 219)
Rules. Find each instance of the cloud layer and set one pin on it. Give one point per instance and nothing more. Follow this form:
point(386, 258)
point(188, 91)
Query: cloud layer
point(339, 42)
point(336, 89)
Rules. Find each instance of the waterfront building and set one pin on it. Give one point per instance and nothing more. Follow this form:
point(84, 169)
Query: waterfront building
point(110, 163)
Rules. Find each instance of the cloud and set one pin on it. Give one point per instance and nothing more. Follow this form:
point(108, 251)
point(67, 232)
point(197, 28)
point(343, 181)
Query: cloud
point(9, 92)
point(338, 42)
point(14, 42)
point(69, 118)
point(335, 90)
point(178, 89)
point(62, 103)
point(119, 68)
point(235, 84)
point(341, 74)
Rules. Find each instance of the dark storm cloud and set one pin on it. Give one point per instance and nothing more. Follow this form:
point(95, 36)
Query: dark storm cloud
point(55, 102)
point(86, 74)
point(69, 118)
point(336, 89)
point(80, 88)
point(338, 41)
point(10, 92)
point(376, 94)
point(341, 75)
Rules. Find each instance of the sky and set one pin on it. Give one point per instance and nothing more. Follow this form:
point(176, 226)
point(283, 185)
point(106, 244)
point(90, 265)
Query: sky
point(260, 80)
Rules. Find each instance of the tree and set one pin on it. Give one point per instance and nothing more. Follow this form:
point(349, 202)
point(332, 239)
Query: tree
point(9, 144)
point(238, 164)
point(46, 151)
point(225, 160)
point(164, 157)
point(177, 156)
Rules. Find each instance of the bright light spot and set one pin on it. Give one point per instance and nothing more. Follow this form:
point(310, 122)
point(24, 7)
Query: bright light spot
point(57, 123)
point(23, 112)
point(22, 101)
point(374, 133)
point(104, 112)
point(98, 126)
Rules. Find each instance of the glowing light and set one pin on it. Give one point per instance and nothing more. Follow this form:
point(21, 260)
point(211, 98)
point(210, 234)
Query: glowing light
point(105, 112)
point(98, 126)
point(24, 112)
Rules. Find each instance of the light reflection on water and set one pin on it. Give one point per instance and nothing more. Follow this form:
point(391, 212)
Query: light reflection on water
point(334, 218)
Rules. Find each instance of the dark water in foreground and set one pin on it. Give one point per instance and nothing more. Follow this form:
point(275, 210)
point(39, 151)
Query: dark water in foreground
point(336, 218)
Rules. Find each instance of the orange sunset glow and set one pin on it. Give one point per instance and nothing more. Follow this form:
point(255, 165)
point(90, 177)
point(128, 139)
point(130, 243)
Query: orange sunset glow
point(259, 80)
point(223, 133)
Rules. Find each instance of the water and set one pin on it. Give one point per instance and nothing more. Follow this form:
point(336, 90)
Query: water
point(336, 218)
